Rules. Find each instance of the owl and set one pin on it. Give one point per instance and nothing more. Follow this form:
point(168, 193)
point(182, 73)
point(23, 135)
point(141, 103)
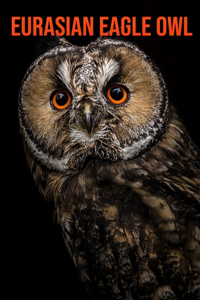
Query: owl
point(107, 149)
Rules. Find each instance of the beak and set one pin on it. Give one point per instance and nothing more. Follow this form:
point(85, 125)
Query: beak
point(88, 123)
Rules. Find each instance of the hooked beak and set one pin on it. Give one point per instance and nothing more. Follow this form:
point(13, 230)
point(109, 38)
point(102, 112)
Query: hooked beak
point(88, 123)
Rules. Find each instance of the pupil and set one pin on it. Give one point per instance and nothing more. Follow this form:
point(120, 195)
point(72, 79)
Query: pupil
point(117, 93)
point(61, 99)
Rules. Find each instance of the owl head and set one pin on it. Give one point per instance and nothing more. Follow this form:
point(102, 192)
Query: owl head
point(105, 101)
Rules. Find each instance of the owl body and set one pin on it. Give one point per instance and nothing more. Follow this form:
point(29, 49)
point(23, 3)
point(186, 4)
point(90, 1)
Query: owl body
point(105, 146)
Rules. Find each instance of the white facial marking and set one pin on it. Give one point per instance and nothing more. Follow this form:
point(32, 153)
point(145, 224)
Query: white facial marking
point(107, 71)
point(64, 72)
point(136, 147)
point(49, 161)
point(81, 136)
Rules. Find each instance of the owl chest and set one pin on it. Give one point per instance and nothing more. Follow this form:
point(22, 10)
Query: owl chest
point(102, 214)
point(123, 244)
point(107, 237)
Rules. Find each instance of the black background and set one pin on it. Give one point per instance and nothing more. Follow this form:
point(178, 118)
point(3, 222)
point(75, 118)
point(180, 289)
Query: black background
point(36, 260)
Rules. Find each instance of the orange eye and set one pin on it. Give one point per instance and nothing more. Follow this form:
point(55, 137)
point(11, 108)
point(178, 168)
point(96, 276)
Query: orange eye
point(117, 94)
point(61, 99)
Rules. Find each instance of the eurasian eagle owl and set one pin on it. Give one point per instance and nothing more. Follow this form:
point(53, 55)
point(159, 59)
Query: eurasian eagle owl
point(106, 147)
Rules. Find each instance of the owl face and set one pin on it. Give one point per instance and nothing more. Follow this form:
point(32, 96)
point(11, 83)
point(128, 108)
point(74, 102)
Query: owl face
point(106, 101)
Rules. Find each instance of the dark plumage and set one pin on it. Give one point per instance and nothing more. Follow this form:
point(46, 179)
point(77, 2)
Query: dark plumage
point(127, 191)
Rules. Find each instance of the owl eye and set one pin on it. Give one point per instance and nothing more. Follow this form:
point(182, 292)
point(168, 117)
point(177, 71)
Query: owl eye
point(117, 94)
point(61, 99)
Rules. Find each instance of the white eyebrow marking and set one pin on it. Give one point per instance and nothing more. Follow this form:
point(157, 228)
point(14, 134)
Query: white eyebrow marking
point(64, 72)
point(106, 71)
point(109, 68)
